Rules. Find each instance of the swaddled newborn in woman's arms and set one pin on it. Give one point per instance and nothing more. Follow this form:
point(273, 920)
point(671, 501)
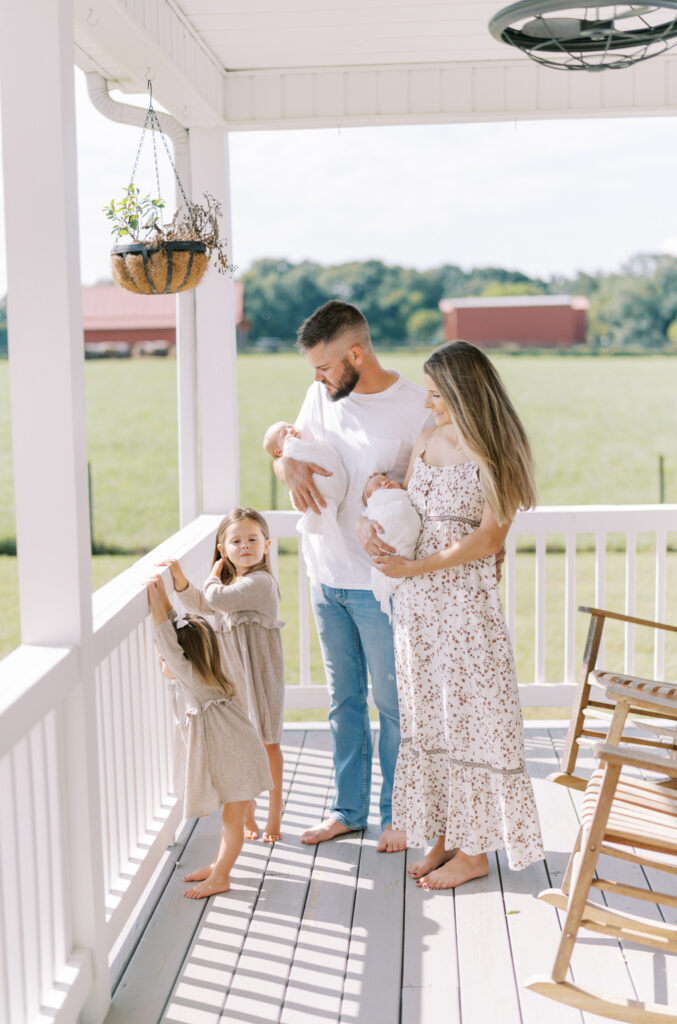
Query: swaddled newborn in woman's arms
point(387, 503)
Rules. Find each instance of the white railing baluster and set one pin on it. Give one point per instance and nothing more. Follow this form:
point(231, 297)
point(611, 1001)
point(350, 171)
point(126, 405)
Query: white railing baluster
point(59, 881)
point(600, 580)
point(659, 603)
point(27, 862)
point(5, 1012)
point(304, 623)
point(103, 773)
point(630, 583)
point(120, 782)
point(539, 610)
point(41, 839)
point(142, 703)
point(11, 869)
point(127, 737)
point(570, 608)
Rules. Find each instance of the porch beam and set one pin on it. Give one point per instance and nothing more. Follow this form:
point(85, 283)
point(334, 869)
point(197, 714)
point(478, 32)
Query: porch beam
point(47, 389)
point(216, 337)
point(508, 90)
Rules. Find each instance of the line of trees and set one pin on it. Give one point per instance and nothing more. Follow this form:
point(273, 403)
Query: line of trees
point(635, 307)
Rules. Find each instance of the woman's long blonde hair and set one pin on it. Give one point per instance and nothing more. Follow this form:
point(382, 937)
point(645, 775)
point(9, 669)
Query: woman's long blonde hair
point(487, 424)
point(198, 641)
point(239, 515)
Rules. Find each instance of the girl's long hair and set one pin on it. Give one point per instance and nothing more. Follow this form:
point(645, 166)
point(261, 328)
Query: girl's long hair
point(239, 515)
point(487, 424)
point(198, 641)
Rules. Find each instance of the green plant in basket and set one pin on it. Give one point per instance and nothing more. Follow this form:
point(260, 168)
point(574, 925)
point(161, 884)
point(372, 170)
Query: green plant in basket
point(134, 215)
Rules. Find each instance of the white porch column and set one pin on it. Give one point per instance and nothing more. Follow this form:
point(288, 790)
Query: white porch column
point(48, 417)
point(216, 340)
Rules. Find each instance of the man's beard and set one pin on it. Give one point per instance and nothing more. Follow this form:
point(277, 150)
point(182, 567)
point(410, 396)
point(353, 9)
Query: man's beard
point(346, 384)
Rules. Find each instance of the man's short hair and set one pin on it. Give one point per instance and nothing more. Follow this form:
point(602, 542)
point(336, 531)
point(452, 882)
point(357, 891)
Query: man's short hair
point(328, 322)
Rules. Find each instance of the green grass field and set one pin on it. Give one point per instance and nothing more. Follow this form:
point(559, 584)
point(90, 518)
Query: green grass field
point(598, 426)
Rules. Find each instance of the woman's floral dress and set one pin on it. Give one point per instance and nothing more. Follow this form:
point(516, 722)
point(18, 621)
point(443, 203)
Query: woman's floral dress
point(460, 772)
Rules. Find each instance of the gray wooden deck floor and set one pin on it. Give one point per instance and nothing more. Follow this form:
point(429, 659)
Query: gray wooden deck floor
point(337, 933)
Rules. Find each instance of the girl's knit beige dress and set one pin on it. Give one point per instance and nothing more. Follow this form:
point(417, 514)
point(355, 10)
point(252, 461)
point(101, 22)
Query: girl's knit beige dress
point(249, 639)
point(224, 759)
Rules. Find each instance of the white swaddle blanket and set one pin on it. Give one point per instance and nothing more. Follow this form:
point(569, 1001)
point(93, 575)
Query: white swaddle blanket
point(401, 524)
point(332, 488)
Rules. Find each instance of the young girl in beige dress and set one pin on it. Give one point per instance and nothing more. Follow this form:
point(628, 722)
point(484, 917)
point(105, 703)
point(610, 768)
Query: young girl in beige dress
point(461, 780)
point(242, 592)
point(225, 761)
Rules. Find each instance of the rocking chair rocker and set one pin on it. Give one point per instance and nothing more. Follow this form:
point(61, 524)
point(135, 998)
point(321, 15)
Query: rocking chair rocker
point(628, 818)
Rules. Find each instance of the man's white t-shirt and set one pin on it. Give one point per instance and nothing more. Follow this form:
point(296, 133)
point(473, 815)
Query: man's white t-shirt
point(372, 434)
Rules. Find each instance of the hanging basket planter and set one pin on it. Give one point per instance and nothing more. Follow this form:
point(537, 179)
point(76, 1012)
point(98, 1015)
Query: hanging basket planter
point(155, 259)
point(159, 269)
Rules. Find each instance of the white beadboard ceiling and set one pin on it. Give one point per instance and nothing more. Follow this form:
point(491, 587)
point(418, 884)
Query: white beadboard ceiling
point(266, 64)
point(257, 34)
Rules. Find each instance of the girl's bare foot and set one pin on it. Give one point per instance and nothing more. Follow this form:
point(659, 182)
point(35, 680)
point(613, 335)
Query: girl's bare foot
point(251, 829)
point(457, 871)
point(209, 887)
point(271, 831)
point(434, 858)
point(199, 876)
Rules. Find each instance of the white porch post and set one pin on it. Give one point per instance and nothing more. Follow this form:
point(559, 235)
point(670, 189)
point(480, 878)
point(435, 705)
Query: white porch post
point(216, 340)
point(48, 416)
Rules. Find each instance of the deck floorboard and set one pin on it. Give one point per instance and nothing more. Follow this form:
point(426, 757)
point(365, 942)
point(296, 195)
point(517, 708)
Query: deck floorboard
point(337, 934)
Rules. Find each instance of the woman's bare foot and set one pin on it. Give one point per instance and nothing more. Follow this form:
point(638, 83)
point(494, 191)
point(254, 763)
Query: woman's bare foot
point(393, 840)
point(325, 830)
point(436, 856)
point(199, 876)
point(251, 829)
point(271, 831)
point(457, 871)
point(209, 887)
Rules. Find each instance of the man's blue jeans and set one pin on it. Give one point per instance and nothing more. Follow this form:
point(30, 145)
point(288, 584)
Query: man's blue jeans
point(355, 636)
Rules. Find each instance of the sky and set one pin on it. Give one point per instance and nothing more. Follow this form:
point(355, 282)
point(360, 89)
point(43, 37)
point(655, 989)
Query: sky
point(542, 197)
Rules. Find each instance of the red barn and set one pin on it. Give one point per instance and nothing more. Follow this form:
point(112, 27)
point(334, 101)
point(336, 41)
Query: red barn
point(536, 321)
point(113, 314)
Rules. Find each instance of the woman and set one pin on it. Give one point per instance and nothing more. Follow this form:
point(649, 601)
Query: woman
point(460, 778)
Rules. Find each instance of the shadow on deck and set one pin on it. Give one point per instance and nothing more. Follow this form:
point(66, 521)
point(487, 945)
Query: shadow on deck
point(337, 933)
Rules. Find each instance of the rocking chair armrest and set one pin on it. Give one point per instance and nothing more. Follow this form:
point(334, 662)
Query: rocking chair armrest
point(665, 702)
point(604, 614)
point(632, 758)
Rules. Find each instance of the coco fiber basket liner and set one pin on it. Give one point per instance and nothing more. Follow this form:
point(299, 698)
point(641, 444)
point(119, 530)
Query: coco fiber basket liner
point(172, 267)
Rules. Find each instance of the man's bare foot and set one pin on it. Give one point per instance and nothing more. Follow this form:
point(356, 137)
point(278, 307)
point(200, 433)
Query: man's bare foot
point(434, 858)
point(251, 829)
point(393, 840)
point(457, 871)
point(208, 888)
point(199, 876)
point(325, 830)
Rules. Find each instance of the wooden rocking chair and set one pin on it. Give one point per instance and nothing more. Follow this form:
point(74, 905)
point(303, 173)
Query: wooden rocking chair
point(639, 818)
point(590, 700)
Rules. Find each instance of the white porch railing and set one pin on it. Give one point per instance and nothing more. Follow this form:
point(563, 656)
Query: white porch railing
point(41, 975)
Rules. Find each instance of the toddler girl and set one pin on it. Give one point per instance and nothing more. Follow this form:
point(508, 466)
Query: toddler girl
point(242, 592)
point(225, 762)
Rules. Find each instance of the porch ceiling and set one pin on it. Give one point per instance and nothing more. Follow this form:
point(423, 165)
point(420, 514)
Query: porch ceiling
point(250, 64)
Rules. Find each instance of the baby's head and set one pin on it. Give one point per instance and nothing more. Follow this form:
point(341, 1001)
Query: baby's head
point(275, 436)
point(378, 482)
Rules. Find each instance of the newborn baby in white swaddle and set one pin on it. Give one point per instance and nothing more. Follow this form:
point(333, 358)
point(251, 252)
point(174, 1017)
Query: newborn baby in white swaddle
point(388, 504)
point(284, 439)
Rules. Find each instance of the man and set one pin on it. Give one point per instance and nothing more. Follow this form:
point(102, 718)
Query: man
point(372, 417)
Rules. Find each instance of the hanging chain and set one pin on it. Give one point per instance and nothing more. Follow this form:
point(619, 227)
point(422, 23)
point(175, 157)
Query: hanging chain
point(152, 122)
